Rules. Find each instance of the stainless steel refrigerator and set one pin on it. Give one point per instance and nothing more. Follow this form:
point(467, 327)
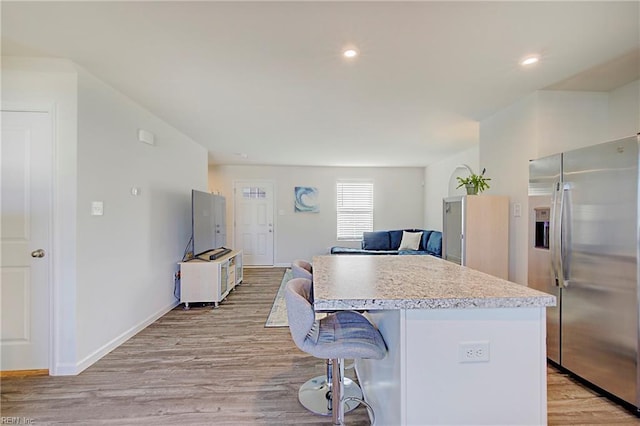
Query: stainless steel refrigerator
point(583, 248)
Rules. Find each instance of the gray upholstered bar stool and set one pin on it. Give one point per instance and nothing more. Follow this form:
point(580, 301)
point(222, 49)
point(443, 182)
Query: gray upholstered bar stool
point(313, 393)
point(302, 269)
point(340, 335)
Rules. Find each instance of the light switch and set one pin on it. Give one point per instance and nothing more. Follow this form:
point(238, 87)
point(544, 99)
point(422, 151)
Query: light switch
point(97, 208)
point(517, 209)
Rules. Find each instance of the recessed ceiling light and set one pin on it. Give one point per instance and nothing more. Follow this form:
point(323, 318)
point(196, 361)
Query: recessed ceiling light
point(530, 60)
point(350, 53)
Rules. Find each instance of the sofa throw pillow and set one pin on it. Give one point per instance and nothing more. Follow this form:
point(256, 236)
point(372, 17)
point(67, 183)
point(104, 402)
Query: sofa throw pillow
point(396, 237)
point(375, 240)
point(434, 246)
point(425, 239)
point(410, 240)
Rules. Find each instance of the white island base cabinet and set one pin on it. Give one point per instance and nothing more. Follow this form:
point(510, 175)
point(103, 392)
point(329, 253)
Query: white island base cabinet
point(427, 378)
point(209, 281)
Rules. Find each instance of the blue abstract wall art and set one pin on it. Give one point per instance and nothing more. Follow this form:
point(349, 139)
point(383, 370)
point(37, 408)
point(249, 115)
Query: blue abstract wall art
point(306, 199)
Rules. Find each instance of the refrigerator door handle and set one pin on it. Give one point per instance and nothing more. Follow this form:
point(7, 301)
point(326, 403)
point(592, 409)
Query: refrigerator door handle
point(562, 238)
point(553, 240)
point(565, 252)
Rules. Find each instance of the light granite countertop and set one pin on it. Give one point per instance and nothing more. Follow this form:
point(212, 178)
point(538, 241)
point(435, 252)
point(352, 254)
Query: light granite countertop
point(372, 282)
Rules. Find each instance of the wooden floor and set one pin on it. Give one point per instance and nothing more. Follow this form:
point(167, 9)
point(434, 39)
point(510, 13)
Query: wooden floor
point(223, 367)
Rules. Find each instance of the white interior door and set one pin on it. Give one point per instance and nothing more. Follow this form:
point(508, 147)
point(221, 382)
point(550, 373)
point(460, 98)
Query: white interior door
point(254, 221)
point(26, 158)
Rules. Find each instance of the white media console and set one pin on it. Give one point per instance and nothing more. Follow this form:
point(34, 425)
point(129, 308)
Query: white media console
point(210, 280)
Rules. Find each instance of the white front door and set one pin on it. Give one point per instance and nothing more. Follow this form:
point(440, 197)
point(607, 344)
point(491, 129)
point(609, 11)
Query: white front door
point(26, 181)
point(253, 214)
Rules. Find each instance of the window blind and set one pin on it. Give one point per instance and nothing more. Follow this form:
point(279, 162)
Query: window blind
point(355, 209)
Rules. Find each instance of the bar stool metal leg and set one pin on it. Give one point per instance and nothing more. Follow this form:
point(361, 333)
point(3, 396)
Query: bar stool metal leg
point(315, 393)
point(337, 392)
point(340, 400)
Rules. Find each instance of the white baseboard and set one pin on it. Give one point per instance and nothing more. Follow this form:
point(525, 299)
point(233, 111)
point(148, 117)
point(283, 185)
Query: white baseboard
point(64, 369)
point(276, 265)
point(74, 369)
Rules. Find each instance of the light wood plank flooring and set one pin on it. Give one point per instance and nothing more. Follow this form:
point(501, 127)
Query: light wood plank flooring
point(223, 367)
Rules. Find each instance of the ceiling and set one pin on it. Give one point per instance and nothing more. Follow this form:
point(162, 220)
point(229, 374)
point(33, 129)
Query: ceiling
point(265, 82)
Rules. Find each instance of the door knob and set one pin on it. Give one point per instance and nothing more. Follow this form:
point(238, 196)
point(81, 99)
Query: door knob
point(37, 253)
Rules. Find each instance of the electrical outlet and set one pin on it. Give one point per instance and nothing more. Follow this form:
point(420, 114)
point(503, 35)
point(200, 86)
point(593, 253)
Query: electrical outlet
point(473, 351)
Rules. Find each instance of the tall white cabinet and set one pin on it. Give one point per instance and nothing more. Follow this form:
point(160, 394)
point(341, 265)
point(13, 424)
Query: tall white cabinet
point(475, 232)
point(210, 280)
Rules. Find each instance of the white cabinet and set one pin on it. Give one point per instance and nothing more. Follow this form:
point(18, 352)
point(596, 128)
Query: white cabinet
point(475, 233)
point(210, 281)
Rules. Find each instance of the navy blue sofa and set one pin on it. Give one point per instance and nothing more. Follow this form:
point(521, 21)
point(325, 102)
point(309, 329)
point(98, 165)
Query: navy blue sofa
point(388, 242)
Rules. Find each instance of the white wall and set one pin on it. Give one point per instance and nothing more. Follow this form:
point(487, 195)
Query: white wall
point(624, 107)
point(398, 199)
point(568, 120)
point(112, 273)
point(127, 258)
point(440, 183)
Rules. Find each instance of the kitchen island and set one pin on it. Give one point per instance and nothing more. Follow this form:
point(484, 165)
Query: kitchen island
point(464, 347)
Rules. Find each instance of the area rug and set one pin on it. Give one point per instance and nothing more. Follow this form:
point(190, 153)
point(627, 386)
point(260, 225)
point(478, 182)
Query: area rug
point(278, 315)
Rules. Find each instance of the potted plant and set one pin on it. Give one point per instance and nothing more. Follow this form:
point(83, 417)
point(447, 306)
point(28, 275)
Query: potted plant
point(474, 183)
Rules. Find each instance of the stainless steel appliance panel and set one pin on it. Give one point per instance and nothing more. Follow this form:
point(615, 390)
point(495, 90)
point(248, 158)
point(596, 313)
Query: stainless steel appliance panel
point(453, 243)
point(599, 294)
point(544, 176)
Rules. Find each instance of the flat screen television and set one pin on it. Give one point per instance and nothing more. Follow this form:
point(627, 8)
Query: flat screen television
point(202, 222)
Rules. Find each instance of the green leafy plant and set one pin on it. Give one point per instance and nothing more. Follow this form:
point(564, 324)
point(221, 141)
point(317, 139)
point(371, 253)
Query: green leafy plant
point(478, 182)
